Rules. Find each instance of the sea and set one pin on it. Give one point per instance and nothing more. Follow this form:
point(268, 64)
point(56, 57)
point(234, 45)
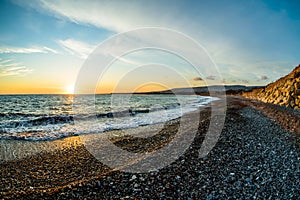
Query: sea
point(51, 117)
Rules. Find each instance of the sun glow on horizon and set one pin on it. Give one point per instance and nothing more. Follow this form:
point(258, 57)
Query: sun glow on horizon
point(69, 89)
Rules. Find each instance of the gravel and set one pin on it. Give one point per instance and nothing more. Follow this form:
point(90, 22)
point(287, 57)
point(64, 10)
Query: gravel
point(254, 158)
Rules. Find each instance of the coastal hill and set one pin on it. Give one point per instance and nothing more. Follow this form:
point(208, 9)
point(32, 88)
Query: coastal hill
point(204, 90)
point(285, 91)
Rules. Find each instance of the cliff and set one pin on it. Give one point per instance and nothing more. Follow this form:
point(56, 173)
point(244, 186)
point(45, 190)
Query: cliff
point(285, 91)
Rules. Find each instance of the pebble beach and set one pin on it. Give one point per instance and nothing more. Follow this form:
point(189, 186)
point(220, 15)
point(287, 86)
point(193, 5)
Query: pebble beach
point(256, 157)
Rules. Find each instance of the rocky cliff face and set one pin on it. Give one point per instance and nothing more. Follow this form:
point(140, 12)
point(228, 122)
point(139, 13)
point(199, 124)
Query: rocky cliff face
point(285, 91)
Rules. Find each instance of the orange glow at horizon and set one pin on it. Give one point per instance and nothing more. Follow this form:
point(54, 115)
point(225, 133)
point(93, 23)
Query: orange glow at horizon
point(28, 87)
point(151, 87)
point(105, 86)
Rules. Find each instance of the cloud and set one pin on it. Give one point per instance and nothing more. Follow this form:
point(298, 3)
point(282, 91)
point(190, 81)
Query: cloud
point(263, 78)
point(77, 48)
point(245, 81)
point(11, 68)
point(197, 79)
point(23, 50)
point(226, 49)
point(126, 60)
point(211, 77)
point(105, 14)
point(50, 50)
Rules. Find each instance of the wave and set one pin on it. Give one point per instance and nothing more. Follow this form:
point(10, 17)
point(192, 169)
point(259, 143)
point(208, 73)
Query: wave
point(34, 127)
point(42, 120)
point(7, 114)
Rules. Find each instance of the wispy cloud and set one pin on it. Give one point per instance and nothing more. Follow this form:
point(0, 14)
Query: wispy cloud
point(197, 79)
point(227, 49)
point(126, 60)
point(77, 48)
point(104, 14)
point(263, 78)
point(11, 68)
point(25, 50)
point(211, 77)
point(83, 50)
point(245, 81)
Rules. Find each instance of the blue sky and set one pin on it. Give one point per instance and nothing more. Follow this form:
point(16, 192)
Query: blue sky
point(43, 44)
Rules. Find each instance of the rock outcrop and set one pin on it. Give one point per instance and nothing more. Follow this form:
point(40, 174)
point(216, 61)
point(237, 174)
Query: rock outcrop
point(285, 91)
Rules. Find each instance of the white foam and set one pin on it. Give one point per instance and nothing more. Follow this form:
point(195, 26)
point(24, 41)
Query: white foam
point(93, 125)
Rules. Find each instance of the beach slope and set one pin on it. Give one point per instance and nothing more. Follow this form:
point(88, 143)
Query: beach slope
point(256, 156)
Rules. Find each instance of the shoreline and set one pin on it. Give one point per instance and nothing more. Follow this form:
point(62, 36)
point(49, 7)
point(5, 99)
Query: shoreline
point(27, 148)
point(253, 157)
point(31, 147)
point(63, 122)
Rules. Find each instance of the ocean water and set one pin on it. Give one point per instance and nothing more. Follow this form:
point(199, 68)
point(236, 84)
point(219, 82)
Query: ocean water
point(50, 117)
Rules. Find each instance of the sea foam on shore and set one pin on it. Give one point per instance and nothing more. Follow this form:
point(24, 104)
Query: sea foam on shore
point(51, 117)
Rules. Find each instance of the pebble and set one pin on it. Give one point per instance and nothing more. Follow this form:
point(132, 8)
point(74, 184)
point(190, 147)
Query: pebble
point(133, 177)
point(236, 168)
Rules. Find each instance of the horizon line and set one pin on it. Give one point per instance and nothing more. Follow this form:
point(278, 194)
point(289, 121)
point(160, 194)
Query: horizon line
point(155, 91)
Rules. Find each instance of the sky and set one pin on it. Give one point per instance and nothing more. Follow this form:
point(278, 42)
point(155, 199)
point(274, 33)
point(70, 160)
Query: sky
point(45, 44)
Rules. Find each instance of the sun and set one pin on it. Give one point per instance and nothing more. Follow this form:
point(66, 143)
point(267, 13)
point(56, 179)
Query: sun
point(70, 89)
